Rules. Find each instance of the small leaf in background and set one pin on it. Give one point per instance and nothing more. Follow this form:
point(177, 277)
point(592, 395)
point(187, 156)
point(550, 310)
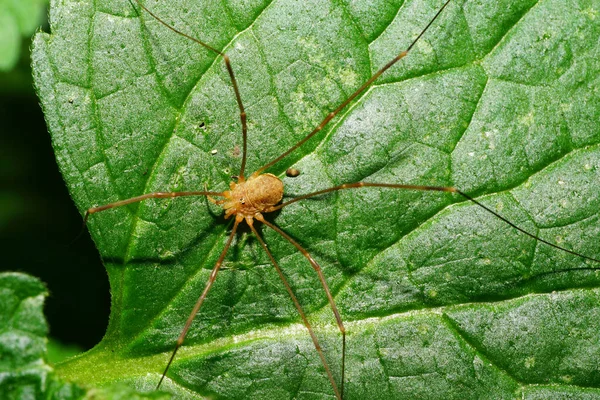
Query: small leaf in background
point(18, 20)
point(23, 369)
point(24, 372)
point(440, 299)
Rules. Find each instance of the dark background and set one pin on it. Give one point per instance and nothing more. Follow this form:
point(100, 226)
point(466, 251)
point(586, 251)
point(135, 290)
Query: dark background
point(38, 219)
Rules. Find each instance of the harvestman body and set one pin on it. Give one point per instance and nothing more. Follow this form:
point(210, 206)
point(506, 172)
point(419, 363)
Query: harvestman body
point(259, 193)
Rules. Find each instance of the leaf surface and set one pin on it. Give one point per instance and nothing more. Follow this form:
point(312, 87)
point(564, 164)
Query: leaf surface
point(440, 298)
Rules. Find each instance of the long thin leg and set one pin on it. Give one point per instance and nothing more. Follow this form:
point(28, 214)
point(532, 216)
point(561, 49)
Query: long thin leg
point(317, 268)
point(364, 184)
point(209, 283)
point(364, 86)
point(466, 196)
point(437, 189)
point(156, 195)
point(238, 97)
point(338, 394)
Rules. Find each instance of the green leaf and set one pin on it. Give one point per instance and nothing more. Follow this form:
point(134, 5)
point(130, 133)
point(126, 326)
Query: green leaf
point(22, 338)
point(18, 18)
point(24, 372)
point(440, 298)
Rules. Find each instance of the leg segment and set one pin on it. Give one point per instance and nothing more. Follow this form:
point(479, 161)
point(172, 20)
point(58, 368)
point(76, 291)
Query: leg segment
point(317, 268)
point(438, 189)
point(236, 90)
point(209, 283)
point(361, 89)
point(338, 394)
point(156, 195)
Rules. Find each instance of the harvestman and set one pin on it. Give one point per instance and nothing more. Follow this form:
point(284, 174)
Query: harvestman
point(261, 192)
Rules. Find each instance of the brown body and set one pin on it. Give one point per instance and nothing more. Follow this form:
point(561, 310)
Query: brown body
point(249, 198)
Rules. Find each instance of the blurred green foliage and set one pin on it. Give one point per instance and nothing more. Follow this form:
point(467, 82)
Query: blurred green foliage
point(37, 219)
point(25, 368)
point(18, 21)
